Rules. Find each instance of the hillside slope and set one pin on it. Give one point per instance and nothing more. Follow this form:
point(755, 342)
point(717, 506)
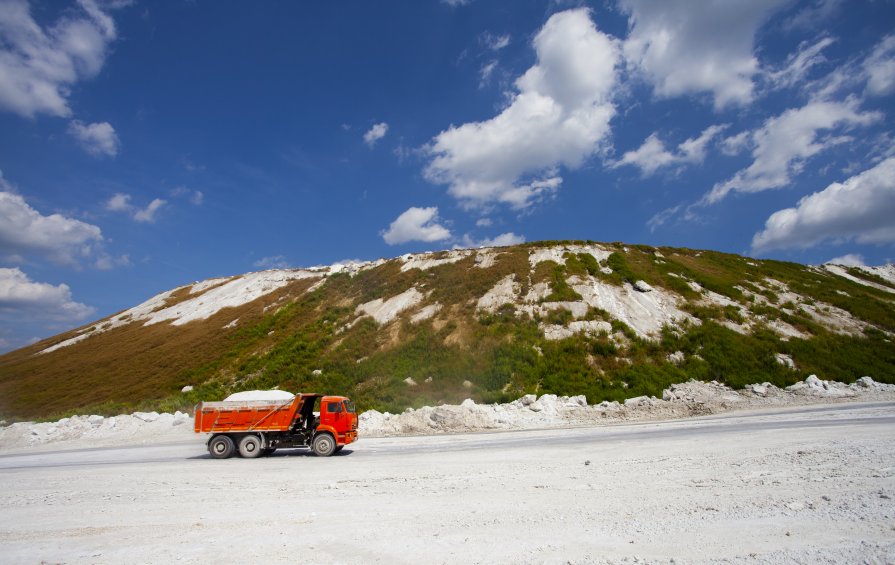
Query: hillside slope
point(605, 320)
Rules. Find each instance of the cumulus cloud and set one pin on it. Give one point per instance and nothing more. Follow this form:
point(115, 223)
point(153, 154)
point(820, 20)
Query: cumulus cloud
point(785, 142)
point(21, 297)
point(97, 139)
point(25, 231)
point(375, 133)
point(879, 67)
point(653, 155)
point(416, 224)
point(121, 202)
point(502, 240)
point(859, 209)
point(849, 260)
point(147, 214)
point(557, 116)
point(685, 47)
point(39, 65)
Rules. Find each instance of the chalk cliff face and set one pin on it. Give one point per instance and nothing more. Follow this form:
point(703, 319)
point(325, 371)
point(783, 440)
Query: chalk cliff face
point(604, 320)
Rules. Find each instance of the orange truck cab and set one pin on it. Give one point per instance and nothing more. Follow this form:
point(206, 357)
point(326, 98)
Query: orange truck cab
point(254, 428)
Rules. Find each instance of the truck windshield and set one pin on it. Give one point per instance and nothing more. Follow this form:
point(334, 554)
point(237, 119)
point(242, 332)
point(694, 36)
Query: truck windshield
point(349, 406)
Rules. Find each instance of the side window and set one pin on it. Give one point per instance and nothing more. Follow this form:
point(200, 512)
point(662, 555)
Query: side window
point(334, 407)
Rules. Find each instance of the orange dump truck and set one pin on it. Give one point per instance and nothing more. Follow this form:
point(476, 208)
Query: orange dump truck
point(326, 424)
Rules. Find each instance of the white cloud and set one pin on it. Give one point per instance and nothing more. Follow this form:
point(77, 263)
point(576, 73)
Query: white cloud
point(273, 262)
point(799, 64)
point(736, 144)
point(39, 65)
point(558, 116)
point(660, 218)
point(785, 142)
point(121, 202)
point(147, 214)
point(495, 42)
point(484, 222)
point(455, 3)
point(21, 297)
point(105, 262)
point(196, 197)
point(879, 67)
point(849, 260)
point(485, 73)
point(815, 14)
point(97, 139)
point(653, 155)
point(859, 209)
point(375, 133)
point(416, 224)
point(25, 231)
point(502, 240)
point(685, 47)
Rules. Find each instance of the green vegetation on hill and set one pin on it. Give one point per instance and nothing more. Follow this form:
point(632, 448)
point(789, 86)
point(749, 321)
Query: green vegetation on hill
point(316, 341)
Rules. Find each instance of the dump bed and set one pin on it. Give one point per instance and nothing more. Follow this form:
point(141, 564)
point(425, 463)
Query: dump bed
point(250, 415)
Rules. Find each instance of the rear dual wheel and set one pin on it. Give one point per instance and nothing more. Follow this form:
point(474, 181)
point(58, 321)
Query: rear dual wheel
point(221, 447)
point(250, 446)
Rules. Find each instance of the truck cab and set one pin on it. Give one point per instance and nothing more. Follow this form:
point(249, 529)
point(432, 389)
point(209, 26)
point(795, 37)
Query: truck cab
point(338, 417)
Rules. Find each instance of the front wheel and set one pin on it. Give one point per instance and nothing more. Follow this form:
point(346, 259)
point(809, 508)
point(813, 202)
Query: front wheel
point(221, 447)
point(324, 445)
point(250, 446)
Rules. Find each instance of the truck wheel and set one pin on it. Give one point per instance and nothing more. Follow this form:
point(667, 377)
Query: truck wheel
point(324, 445)
point(221, 447)
point(250, 446)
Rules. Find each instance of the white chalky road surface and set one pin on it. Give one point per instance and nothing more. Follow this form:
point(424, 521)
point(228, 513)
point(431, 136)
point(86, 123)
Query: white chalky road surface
point(806, 485)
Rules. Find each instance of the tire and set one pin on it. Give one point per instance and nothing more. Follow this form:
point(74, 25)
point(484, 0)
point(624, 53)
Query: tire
point(324, 445)
point(250, 446)
point(221, 447)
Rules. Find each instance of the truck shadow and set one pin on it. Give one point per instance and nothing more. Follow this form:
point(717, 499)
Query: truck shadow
point(280, 454)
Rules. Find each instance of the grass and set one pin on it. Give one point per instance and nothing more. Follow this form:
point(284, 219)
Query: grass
point(285, 337)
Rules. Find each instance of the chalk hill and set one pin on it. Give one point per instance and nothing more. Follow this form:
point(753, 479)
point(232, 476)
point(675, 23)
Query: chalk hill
point(609, 321)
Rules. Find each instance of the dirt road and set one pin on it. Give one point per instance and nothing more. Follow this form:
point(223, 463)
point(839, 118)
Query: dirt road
point(806, 484)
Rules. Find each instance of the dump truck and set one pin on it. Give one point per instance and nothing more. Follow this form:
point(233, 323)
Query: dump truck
point(253, 428)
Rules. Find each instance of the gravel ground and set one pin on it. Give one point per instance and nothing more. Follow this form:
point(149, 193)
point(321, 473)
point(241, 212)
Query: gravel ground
point(792, 485)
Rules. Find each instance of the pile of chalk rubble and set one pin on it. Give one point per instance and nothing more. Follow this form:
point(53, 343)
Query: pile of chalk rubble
point(529, 412)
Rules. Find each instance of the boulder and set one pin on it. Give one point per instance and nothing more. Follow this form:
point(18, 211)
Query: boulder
point(636, 401)
point(866, 382)
point(187, 388)
point(409, 381)
point(642, 286)
point(146, 416)
point(95, 420)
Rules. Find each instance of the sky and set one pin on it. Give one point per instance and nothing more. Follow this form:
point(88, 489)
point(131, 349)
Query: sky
point(147, 145)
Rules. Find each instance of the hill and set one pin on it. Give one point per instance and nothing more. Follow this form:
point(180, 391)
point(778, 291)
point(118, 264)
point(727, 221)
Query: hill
point(609, 321)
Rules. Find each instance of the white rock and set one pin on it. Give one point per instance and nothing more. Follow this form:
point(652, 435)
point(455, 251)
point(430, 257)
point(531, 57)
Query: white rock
point(785, 360)
point(187, 388)
point(146, 416)
point(95, 420)
point(677, 357)
point(535, 406)
point(759, 390)
point(865, 382)
point(409, 381)
point(468, 403)
point(180, 418)
point(467, 384)
point(642, 286)
point(636, 401)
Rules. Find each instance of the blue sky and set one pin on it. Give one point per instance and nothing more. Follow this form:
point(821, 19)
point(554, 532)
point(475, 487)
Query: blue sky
point(147, 145)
